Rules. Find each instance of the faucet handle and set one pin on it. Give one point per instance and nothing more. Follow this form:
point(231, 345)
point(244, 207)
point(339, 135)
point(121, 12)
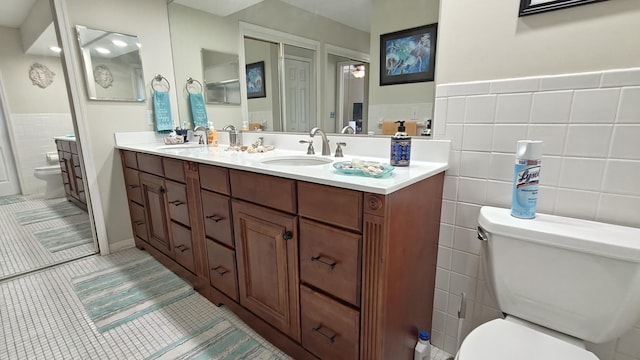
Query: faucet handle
point(339, 149)
point(310, 150)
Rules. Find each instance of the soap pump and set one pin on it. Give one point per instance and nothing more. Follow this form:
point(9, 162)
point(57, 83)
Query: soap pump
point(400, 146)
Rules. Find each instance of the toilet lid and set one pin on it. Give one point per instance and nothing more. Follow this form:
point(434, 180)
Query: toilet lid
point(504, 340)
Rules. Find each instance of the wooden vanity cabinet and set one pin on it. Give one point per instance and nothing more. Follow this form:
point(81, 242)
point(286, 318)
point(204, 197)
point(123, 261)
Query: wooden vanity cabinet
point(71, 172)
point(319, 271)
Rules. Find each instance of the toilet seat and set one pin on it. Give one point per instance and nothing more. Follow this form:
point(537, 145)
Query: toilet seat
point(505, 340)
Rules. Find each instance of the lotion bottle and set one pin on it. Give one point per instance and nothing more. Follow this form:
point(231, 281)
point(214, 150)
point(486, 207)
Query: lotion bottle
point(400, 147)
point(212, 135)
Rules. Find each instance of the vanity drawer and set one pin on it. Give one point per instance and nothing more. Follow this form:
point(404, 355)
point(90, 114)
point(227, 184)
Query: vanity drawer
point(216, 210)
point(329, 329)
point(330, 260)
point(132, 184)
point(222, 269)
point(177, 202)
point(150, 163)
point(173, 169)
point(130, 159)
point(274, 192)
point(182, 247)
point(329, 204)
point(138, 221)
point(214, 178)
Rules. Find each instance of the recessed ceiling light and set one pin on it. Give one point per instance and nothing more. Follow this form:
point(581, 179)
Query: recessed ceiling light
point(55, 49)
point(119, 43)
point(102, 50)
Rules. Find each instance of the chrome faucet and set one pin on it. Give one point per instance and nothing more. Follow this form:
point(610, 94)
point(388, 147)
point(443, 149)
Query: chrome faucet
point(229, 127)
point(325, 141)
point(203, 134)
point(347, 130)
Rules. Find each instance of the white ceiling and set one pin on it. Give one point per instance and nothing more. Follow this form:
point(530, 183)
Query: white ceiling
point(354, 13)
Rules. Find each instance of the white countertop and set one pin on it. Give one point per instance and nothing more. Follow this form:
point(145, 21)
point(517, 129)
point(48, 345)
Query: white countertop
point(320, 174)
point(65, 138)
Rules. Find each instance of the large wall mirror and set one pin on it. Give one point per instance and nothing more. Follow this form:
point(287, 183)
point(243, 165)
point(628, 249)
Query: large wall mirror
point(316, 70)
point(112, 65)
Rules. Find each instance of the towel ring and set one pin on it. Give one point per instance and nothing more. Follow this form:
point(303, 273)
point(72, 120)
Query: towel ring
point(190, 81)
point(158, 79)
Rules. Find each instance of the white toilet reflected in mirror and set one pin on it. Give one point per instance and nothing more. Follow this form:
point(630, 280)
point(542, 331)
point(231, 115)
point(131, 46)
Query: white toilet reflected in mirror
point(52, 175)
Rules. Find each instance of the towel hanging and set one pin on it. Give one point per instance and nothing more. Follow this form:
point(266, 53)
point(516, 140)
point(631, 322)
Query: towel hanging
point(161, 105)
point(197, 107)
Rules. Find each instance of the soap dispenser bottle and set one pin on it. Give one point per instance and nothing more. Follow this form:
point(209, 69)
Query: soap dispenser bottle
point(400, 147)
point(212, 135)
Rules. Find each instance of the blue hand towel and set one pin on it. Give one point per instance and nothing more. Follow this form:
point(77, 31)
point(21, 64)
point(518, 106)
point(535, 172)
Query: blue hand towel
point(162, 111)
point(198, 110)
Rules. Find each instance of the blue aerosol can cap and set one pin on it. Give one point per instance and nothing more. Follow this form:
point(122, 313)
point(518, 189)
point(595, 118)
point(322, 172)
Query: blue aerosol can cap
point(423, 335)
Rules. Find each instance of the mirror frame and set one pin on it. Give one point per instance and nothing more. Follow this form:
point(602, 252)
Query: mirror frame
point(281, 38)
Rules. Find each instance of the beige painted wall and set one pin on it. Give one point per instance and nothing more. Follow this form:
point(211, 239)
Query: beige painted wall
point(22, 96)
point(37, 21)
point(481, 40)
point(148, 20)
point(389, 16)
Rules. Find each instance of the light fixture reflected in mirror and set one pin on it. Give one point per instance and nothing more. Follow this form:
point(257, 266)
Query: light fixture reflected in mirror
point(358, 71)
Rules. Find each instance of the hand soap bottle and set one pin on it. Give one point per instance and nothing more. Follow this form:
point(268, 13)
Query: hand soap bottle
point(212, 135)
point(400, 147)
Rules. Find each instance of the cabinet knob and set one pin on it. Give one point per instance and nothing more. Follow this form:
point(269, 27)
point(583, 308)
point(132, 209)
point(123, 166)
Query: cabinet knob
point(288, 235)
point(162, 190)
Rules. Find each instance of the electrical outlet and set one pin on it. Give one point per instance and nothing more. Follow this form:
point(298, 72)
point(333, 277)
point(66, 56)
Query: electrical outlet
point(414, 112)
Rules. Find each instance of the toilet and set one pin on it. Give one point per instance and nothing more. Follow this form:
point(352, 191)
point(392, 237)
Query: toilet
point(52, 175)
point(560, 281)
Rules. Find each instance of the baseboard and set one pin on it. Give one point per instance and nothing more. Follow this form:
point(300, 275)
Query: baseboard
point(121, 245)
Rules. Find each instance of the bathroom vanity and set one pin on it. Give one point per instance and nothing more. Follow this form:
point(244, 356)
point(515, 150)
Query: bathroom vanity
point(334, 267)
point(71, 171)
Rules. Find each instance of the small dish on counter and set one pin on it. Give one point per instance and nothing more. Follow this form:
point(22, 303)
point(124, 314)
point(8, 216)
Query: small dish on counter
point(363, 168)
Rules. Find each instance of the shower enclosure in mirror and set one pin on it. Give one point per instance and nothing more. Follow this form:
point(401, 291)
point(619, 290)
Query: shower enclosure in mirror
point(221, 81)
point(112, 65)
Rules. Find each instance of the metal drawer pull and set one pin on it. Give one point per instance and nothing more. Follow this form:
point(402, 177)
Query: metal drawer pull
point(133, 186)
point(331, 336)
point(182, 248)
point(330, 263)
point(220, 270)
point(138, 222)
point(176, 202)
point(214, 217)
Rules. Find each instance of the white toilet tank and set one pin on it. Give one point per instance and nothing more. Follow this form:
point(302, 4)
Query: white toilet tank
point(578, 277)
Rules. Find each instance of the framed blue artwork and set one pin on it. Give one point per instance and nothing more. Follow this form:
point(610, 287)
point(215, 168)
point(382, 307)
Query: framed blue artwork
point(256, 80)
point(408, 56)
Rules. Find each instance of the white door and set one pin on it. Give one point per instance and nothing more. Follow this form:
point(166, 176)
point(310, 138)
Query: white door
point(298, 113)
point(9, 184)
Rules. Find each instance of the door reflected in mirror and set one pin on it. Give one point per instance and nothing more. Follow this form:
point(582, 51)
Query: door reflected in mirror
point(112, 65)
point(351, 93)
point(221, 81)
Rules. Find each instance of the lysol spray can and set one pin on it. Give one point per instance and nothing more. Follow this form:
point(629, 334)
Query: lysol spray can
point(525, 180)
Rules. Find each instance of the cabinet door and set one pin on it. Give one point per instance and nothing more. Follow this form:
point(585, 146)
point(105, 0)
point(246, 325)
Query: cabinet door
point(267, 254)
point(155, 202)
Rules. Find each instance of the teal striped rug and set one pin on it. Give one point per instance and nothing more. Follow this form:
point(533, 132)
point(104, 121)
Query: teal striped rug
point(12, 199)
point(65, 237)
point(54, 211)
point(218, 339)
point(117, 295)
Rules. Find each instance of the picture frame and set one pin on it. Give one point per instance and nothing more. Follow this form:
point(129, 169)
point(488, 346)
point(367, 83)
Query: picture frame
point(408, 56)
point(530, 7)
point(256, 80)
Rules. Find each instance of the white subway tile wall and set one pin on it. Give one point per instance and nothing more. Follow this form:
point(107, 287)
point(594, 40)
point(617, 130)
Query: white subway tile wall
point(33, 138)
point(590, 125)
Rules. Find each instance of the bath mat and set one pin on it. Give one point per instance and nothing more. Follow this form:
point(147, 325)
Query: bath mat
point(65, 237)
point(117, 295)
point(11, 199)
point(54, 211)
point(218, 339)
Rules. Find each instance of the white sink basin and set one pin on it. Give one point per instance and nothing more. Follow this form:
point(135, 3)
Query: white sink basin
point(296, 161)
point(182, 146)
